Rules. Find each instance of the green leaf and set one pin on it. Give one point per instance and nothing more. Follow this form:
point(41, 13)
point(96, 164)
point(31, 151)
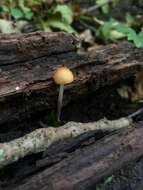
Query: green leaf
point(66, 13)
point(104, 5)
point(129, 32)
point(129, 19)
point(138, 43)
point(60, 25)
point(4, 9)
point(16, 13)
point(98, 188)
point(109, 180)
point(124, 29)
point(28, 15)
point(2, 154)
point(141, 35)
point(115, 35)
point(104, 31)
point(108, 30)
point(132, 35)
point(139, 40)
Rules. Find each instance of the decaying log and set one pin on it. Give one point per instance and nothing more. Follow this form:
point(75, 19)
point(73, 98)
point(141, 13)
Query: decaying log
point(26, 82)
point(41, 139)
point(85, 167)
point(16, 48)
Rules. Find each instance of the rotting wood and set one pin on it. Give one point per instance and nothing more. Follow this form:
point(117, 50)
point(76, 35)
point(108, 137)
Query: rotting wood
point(16, 48)
point(28, 85)
point(40, 139)
point(85, 167)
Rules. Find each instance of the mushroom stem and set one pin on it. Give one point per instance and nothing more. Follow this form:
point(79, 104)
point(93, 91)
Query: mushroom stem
point(60, 100)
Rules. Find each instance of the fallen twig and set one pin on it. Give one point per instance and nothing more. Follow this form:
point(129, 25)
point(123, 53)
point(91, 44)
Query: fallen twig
point(85, 167)
point(95, 7)
point(41, 139)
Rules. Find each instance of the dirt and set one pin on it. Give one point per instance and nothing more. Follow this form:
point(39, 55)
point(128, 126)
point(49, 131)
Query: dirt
point(103, 103)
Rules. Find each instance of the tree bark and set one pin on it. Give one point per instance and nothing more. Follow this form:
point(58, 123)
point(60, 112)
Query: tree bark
point(17, 48)
point(26, 82)
point(85, 167)
point(40, 139)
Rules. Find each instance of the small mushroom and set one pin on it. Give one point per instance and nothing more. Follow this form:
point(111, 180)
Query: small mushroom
point(62, 76)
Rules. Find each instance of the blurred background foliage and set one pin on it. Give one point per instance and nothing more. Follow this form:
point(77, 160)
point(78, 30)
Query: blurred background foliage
point(95, 21)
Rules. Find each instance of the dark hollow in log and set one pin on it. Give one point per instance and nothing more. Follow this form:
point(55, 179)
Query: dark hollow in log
point(27, 85)
point(85, 167)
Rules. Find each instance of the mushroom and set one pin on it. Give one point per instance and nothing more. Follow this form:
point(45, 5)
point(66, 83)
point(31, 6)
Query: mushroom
point(62, 76)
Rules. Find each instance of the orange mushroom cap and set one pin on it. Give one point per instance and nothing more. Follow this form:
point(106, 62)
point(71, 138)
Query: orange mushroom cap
point(63, 75)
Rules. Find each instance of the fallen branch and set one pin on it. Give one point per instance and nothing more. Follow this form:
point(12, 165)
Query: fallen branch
point(95, 7)
point(41, 139)
point(84, 168)
point(26, 79)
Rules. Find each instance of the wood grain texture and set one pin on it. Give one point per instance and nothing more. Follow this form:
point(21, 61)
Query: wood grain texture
point(15, 48)
point(28, 85)
point(86, 166)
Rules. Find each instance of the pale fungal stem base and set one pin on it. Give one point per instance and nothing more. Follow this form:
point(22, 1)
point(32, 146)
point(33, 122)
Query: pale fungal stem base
point(62, 76)
point(60, 100)
point(40, 139)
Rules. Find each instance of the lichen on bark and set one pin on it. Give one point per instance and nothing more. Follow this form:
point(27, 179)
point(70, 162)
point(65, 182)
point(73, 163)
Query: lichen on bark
point(40, 139)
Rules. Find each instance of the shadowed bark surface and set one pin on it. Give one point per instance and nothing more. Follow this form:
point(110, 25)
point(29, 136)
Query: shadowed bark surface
point(26, 83)
point(86, 166)
point(26, 86)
